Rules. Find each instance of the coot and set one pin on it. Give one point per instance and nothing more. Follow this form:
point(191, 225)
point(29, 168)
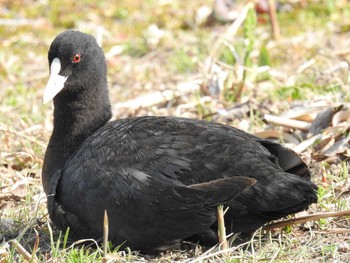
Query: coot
point(159, 178)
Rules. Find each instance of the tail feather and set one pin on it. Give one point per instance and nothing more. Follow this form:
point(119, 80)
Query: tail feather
point(289, 161)
point(293, 201)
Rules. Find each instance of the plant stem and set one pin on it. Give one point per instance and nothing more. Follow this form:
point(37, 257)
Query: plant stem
point(105, 236)
point(221, 228)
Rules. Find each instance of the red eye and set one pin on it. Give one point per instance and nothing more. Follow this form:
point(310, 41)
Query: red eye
point(76, 58)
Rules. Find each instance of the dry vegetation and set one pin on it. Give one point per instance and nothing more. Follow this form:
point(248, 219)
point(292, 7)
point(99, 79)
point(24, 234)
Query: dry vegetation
point(164, 61)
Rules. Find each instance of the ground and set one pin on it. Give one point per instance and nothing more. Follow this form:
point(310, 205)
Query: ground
point(170, 58)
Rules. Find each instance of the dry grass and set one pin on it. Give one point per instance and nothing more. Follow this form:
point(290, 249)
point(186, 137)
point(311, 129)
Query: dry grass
point(157, 48)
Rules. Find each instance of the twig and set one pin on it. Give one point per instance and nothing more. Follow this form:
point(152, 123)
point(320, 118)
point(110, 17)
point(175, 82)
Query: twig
point(35, 247)
point(105, 237)
point(306, 65)
point(303, 219)
point(221, 228)
point(273, 19)
point(301, 125)
point(307, 143)
point(23, 252)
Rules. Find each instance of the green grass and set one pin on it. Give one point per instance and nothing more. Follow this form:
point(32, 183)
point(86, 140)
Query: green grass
point(303, 68)
point(182, 61)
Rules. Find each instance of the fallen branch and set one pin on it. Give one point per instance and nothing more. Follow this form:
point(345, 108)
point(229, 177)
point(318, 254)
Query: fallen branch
point(304, 219)
point(286, 122)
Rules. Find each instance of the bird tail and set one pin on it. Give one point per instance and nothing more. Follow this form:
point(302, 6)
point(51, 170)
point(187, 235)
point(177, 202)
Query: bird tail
point(289, 161)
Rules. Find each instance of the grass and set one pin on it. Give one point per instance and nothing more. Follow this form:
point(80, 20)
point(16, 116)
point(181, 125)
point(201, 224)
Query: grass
point(306, 65)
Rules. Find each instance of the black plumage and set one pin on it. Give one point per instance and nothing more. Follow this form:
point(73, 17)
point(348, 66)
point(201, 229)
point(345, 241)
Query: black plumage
point(159, 178)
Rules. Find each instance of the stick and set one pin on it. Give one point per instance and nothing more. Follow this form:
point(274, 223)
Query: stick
point(35, 247)
point(273, 19)
point(301, 125)
point(22, 251)
point(304, 219)
point(221, 228)
point(105, 237)
point(306, 144)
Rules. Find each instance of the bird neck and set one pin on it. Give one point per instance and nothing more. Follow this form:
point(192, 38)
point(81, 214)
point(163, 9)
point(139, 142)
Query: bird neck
point(76, 117)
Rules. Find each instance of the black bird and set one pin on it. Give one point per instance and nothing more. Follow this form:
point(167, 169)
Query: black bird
point(159, 178)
